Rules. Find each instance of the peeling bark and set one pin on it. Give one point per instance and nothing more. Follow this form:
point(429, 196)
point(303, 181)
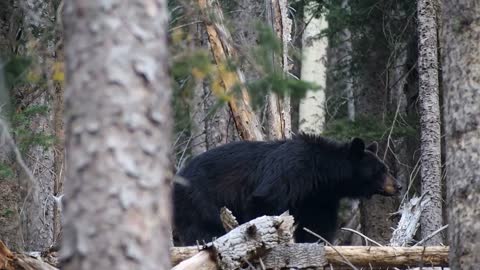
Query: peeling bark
point(118, 124)
point(461, 84)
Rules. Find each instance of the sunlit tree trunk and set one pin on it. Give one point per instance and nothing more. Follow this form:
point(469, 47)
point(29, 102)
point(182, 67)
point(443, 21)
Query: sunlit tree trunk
point(118, 123)
point(461, 84)
point(312, 107)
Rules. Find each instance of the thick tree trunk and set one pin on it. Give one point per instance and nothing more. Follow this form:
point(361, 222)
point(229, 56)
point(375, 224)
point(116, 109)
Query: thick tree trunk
point(314, 51)
point(371, 102)
point(117, 192)
point(461, 58)
point(377, 97)
point(429, 118)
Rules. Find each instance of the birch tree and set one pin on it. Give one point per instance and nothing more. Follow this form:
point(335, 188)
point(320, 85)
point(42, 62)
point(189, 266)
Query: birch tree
point(117, 191)
point(429, 118)
point(312, 107)
point(461, 69)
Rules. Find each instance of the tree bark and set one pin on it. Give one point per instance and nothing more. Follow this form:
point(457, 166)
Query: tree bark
point(461, 58)
point(118, 124)
point(283, 27)
point(431, 219)
point(273, 106)
point(314, 51)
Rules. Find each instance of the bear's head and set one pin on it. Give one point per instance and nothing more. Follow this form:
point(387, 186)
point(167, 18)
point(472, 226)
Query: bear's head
point(370, 174)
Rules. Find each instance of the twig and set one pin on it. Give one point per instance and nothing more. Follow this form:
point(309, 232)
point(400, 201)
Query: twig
point(5, 134)
point(9, 140)
point(431, 235)
point(325, 240)
point(363, 235)
point(262, 265)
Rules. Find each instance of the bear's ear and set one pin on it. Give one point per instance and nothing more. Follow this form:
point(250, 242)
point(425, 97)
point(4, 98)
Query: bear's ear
point(373, 147)
point(357, 148)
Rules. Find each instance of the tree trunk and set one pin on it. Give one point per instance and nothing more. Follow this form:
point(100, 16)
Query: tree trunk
point(461, 58)
point(117, 193)
point(371, 102)
point(312, 107)
point(347, 55)
point(198, 118)
point(275, 123)
point(283, 26)
point(429, 118)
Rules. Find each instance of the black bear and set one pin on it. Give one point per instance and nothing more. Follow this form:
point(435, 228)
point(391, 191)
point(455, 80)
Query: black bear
point(307, 175)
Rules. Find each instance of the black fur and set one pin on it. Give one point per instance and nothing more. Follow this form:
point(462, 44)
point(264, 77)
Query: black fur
point(307, 175)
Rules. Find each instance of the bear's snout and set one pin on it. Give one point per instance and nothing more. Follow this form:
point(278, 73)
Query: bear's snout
point(391, 186)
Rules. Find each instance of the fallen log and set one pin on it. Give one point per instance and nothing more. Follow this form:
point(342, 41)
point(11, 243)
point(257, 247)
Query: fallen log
point(18, 261)
point(241, 245)
point(401, 257)
point(309, 256)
